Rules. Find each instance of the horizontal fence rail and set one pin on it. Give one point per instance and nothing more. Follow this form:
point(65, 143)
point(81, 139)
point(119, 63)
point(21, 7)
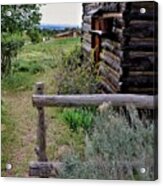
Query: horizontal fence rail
point(42, 167)
point(140, 101)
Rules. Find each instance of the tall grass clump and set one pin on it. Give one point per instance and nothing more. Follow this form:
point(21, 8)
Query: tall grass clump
point(79, 118)
point(75, 75)
point(115, 150)
point(8, 137)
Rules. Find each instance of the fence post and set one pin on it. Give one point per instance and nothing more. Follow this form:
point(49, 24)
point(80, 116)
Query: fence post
point(41, 128)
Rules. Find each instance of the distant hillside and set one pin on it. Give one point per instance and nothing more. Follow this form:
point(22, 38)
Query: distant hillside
point(56, 27)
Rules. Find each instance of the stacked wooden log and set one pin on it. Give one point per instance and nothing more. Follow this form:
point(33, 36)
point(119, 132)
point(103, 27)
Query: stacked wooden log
point(86, 29)
point(111, 47)
point(125, 44)
point(140, 49)
point(102, 33)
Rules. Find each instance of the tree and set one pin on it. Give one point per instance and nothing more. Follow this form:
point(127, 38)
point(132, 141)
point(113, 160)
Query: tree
point(15, 21)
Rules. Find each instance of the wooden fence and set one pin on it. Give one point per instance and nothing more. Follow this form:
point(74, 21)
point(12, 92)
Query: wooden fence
point(43, 168)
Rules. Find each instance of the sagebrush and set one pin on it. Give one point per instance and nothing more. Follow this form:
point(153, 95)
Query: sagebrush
point(115, 150)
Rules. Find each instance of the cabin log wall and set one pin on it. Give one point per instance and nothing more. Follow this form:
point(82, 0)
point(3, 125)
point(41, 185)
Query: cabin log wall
point(140, 49)
point(125, 45)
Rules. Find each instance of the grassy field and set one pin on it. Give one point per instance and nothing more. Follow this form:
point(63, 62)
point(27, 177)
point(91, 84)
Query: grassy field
point(34, 63)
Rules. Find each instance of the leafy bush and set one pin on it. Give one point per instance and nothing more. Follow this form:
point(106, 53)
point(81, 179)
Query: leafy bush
point(76, 76)
point(115, 150)
point(20, 66)
point(35, 68)
point(79, 118)
point(35, 36)
point(32, 67)
point(72, 59)
point(15, 21)
point(10, 45)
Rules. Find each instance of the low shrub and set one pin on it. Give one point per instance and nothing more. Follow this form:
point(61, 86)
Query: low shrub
point(35, 36)
point(10, 45)
point(115, 150)
point(21, 67)
point(76, 76)
point(32, 67)
point(36, 68)
point(72, 59)
point(78, 118)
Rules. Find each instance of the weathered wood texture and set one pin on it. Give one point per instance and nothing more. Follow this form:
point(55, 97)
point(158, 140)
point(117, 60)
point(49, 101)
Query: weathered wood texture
point(114, 47)
point(109, 77)
point(86, 27)
point(44, 169)
point(140, 49)
point(140, 101)
point(87, 38)
point(112, 15)
point(41, 128)
point(126, 41)
point(51, 169)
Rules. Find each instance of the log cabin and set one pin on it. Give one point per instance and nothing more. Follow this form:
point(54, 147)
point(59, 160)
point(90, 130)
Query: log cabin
point(123, 38)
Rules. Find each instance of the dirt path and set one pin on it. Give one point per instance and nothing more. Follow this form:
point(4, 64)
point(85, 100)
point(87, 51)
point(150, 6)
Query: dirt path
point(24, 116)
point(60, 140)
point(19, 149)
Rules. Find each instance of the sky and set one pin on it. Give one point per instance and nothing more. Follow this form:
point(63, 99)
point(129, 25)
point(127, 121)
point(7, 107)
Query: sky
point(62, 13)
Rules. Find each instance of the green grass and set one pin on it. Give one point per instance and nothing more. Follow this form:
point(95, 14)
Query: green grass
point(59, 135)
point(35, 62)
point(51, 46)
point(79, 118)
point(32, 67)
point(18, 82)
point(8, 136)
